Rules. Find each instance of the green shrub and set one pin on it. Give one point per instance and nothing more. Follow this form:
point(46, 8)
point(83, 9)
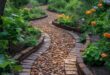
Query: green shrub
point(19, 3)
point(65, 20)
point(16, 29)
point(26, 13)
point(90, 3)
point(92, 56)
point(33, 13)
point(33, 3)
point(73, 6)
point(8, 65)
point(57, 6)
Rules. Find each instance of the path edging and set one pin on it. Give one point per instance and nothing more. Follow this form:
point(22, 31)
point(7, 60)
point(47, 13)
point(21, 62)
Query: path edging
point(26, 52)
point(82, 68)
point(70, 61)
point(29, 61)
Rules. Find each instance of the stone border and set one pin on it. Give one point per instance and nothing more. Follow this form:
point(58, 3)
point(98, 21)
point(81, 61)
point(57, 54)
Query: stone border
point(70, 61)
point(75, 59)
point(26, 52)
point(82, 69)
point(28, 62)
point(42, 17)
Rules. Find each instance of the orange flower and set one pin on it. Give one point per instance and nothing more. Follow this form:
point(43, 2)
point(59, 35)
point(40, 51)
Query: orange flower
point(104, 55)
point(93, 23)
point(107, 35)
point(88, 12)
point(93, 10)
point(100, 5)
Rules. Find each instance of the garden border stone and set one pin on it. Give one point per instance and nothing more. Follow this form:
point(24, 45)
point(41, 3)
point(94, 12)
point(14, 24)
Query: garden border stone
point(82, 68)
point(28, 62)
point(70, 61)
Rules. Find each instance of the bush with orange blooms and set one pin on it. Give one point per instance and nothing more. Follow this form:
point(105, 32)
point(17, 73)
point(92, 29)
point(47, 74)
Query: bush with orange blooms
point(106, 35)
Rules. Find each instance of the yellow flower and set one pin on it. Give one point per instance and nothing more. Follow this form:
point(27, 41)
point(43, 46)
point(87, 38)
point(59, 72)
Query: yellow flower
point(61, 15)
point(64, 17)
point(67, 17)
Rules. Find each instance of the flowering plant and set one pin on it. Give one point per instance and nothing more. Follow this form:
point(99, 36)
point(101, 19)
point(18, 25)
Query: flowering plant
point(64, 20)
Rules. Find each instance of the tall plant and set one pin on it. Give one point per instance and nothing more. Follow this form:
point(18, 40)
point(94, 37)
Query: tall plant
point(19, 3)
point(2, 6)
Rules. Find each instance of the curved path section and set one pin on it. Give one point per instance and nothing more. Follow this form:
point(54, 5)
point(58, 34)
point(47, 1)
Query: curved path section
point(51, 62)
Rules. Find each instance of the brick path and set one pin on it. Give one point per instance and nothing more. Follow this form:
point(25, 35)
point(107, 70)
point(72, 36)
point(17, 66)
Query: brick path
point(60, 58)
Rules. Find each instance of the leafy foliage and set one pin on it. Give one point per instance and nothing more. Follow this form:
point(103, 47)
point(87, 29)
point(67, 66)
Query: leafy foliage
point(92, 56)
point(19, 3)
point(16, 30)
point(8, 65)
point(57, 6)
point(33, 13)
point(64, 20)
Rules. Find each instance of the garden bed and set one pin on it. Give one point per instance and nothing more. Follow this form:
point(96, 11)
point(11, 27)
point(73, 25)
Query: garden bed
point(84, 69)
point(33, 13)
point(38, 18)
point(27, 51)
point(27, 63)
point(66, 27)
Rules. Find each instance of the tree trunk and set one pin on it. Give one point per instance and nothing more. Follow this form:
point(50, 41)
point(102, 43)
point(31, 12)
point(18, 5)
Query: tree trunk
point(46, 1)
point(2, 6)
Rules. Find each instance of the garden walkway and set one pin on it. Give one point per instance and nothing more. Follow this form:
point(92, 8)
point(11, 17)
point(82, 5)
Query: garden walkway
point(51, 62)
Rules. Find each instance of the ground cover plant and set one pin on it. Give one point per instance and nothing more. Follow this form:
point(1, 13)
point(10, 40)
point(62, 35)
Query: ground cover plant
point(93, 18)
point(57, 6)
point(28, 13)
point(34, 13)
point(15, 29)
point(97, 23)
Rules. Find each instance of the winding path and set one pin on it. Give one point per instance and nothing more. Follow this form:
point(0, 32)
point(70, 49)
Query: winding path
point(51, 62)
